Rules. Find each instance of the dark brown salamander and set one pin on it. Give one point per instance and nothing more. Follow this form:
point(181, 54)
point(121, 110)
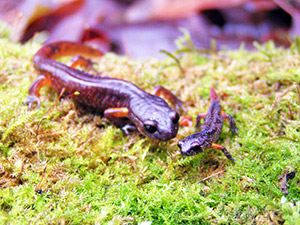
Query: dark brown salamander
point(210, 130)
point(120, 101)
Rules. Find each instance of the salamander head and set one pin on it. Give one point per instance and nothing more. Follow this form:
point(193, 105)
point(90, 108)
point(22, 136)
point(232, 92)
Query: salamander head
point(155, 119)
point(191, 145)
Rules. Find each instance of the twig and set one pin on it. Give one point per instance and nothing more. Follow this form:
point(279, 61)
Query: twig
point(291, 112)
point(213, 175)
point(38, 187)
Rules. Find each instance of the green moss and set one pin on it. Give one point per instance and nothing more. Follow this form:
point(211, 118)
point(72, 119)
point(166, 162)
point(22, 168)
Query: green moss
point(91, 172)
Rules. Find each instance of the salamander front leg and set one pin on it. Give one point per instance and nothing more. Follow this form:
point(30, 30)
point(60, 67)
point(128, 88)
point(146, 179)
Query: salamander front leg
point(171, 97)
point(34, 91)
point(119, 117)
point(233, 128)
point(224, 150)
point(186, 121)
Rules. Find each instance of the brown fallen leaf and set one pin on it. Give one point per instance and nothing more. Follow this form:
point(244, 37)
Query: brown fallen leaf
point(284, 177)
point(145, 10)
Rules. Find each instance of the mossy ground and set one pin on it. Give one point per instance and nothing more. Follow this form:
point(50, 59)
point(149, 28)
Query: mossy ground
point(90, 172)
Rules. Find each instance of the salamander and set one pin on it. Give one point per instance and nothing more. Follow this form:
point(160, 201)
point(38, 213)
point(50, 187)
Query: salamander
point(120, 101)
point(210, 130)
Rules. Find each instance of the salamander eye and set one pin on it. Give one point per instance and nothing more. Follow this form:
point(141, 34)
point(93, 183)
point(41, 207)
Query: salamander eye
point(195, 149)
point(150, 128)
point(179, 144)
point(176, 118)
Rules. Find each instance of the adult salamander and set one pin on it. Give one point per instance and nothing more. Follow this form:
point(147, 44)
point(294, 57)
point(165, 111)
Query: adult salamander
point(120, 101)
point(210, 130)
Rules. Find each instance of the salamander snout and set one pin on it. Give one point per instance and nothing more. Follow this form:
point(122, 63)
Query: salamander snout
point(157, 130)
point(154, 119)
point(189, 148)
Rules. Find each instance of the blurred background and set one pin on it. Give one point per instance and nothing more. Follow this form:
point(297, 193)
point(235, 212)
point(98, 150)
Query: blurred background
point(141, 28)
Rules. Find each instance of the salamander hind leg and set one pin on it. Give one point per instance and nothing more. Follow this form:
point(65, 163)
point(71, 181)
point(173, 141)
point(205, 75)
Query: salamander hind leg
point(161, 91)
point(119, 117)
point(233, 128)
point(34, 91)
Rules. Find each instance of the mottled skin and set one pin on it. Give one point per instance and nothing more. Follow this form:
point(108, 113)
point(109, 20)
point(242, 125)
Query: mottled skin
point(150, 114)
point(210, 131)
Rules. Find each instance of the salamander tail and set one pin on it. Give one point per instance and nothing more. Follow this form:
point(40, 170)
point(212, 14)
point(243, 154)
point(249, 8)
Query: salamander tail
point(213, 95)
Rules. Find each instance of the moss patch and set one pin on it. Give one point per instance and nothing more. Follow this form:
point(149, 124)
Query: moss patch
point(87, 171)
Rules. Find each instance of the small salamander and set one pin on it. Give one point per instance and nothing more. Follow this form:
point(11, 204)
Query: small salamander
point(121, 102)
point(210, 130)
